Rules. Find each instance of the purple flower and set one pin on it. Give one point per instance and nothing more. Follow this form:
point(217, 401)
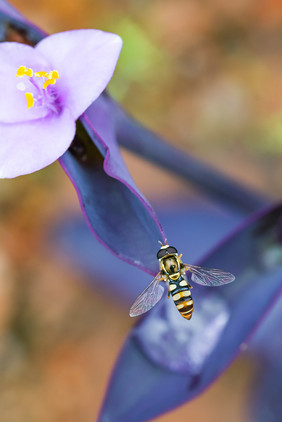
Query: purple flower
point(44, 90)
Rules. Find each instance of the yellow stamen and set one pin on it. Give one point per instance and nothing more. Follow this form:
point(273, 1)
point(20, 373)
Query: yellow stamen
point(22, 70)
point(29, 72)
point(40, 74)
point(54, 74)
point(29, 99)
point(48, 82)
point(26, 71)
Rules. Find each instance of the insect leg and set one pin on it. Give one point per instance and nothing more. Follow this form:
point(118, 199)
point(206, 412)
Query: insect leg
point(186, 268)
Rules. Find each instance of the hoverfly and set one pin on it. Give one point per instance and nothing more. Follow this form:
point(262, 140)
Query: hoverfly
point(172, 272)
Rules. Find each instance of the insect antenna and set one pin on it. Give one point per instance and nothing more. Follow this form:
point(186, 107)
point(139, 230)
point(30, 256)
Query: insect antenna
point(164, 243)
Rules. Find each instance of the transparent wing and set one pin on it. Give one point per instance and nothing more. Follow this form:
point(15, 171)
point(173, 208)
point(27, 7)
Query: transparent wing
point(210, 276)
point(148, 298)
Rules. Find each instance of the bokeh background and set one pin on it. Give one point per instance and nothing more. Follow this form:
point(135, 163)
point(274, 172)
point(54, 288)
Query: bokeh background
point(206, 75)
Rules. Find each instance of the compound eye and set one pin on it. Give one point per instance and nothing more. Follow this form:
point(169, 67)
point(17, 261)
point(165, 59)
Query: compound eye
point(166, 251)
point(161, 253)
point(171, 249)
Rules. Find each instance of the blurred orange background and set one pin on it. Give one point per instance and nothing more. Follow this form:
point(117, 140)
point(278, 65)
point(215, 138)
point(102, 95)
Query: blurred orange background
point(207, 75)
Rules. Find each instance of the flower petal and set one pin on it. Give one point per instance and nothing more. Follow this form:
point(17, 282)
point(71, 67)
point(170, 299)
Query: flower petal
point(30, 146)
point(177, 362)
point(86, 60)
point(13, 106)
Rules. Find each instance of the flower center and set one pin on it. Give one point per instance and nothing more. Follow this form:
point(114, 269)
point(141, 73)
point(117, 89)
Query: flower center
point(38, 82)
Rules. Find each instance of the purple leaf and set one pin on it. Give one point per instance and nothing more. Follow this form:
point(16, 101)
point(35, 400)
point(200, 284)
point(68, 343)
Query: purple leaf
point(266, 344)
point(144, 142)
point(13, 22)
point(115, 209)
point(173, 359)
point(266, 404)
point(72, 239)
point(266, 347)
point(118, 214)
point(9, 10)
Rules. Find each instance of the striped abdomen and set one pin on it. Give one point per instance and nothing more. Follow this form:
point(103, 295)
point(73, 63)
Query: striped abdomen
point(182, 297)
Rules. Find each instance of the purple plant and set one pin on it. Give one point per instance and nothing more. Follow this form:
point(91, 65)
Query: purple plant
point(265, 348)
point(172, 360)
point(175, 361)
point(93, 161)
point(94, 165)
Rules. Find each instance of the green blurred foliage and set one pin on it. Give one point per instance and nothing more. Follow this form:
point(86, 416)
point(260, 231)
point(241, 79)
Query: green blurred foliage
point(139, 58)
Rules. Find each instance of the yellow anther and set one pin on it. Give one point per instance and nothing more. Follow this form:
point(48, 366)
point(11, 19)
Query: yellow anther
point(29, 72)
point(42, 74)
point(22, 70)
point(51, 78)
point(48, 82)
point(29, 99)
point(54, 74)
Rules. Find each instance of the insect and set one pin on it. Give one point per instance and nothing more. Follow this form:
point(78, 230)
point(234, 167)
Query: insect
point(172, 272)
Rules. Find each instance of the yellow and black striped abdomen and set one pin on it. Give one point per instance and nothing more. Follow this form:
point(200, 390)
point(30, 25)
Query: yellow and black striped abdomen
point(182, 297)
